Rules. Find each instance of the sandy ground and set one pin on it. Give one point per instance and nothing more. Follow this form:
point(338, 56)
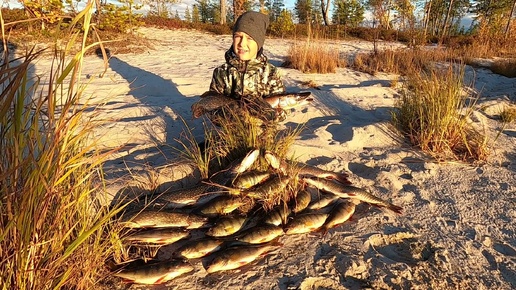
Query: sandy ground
point(458, 228)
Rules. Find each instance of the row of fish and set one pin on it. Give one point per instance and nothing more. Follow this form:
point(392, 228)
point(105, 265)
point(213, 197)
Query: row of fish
point(227, 222)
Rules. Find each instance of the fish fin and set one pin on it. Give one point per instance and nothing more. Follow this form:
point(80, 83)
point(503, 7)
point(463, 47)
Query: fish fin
point(161, 280)
point(343, 178)
point(395, 208)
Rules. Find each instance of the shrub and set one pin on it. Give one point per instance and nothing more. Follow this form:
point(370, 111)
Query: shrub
point(433, 112)
point(312, 57)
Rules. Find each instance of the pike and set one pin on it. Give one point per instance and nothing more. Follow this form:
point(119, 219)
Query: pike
point(211, 101)
point(156, 273)
point(199, 248)
point(340, 213)
point(305, 223)
point(303, 170)
point(236, 257)
point(164, 236)
point(348, 191)
point(186, 196)
point(261, 234)
point(227, 226)
point(163, 219)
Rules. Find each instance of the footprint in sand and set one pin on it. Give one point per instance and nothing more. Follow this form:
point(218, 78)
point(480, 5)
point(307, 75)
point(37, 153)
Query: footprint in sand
point(401, 247)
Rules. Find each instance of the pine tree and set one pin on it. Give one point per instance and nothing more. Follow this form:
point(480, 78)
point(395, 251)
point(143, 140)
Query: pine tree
point(196, 17)
point(188, 17)
point(348, 12)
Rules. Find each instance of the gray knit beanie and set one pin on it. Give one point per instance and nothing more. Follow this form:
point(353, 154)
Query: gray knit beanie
point(253, 23)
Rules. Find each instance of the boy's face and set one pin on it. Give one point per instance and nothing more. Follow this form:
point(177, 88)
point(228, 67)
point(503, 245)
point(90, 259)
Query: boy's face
point(244, 46)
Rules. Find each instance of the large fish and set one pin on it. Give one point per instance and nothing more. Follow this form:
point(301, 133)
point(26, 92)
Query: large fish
point(156, 273)
point(163, 219)
point(211, 101)
point(158, 236)
point(348, 191)
point(236, 257)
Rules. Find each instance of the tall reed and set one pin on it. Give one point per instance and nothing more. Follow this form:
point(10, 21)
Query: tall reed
point(53, 231)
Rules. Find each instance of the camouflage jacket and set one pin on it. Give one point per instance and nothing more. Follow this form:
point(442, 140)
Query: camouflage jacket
point(251, 79)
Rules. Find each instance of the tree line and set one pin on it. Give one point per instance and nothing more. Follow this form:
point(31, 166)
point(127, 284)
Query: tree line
point(435, 17)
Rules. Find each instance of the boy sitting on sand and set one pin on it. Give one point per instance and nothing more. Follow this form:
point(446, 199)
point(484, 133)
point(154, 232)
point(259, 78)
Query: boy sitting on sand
point(247, 75)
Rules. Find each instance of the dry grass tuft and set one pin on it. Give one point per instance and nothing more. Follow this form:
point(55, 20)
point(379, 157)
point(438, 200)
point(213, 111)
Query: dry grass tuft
point(236, 134)
point(433, 112)
point(313, 57)
point(402, 62)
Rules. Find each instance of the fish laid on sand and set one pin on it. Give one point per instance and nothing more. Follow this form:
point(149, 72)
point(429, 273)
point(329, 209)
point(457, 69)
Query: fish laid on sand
point(277, 216)
point(186, 196)
point(302, 169)
point(200, 248)
point(305, 223)
point(323, 200)
point(339, 214)
point(226, 226)
point(348, 191)
point(163, 219)
point(250, 179)
point(269, 188)
point(236, 257)
point(261, 234)
point(246, 162)
point(163, 236)
point(302, 200)
point(156, 273)
point(221, 205)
